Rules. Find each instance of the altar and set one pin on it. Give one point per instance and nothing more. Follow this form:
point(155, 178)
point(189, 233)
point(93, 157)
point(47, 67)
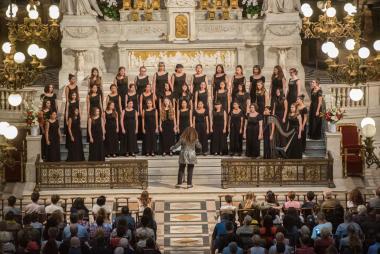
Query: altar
point(183, 33)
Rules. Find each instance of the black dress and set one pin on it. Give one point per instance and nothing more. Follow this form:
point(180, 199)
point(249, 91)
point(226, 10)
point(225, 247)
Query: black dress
point(46, 117)
point(96, 151)
point(295, 147)
point(71, 91)
point(184, 97)
point(303, 112)
point(177, 86)
point(204, 98)
point(72, 106)
point(260, 101)
point(292, 92)
point(201, 128)
point(150, 138)
point(111, 142)
point(122, 89)
point(184, 120)
point(167, 135)
point(197, 82)
point(75, 149)
point(98, 83)
point(135, 99)
point(279, 107)
point(252, 91)
point(252, 136)
point(53, 151)
point(236, 144)
point(242, 100)
point(269, 145)
point(276, 84)
point(129, 142)
point(95, 102)
point(235, 84)
point(315, 122)
point(52, 100)
point(217, 81)
point(222, 97)
point(219, 139)
point(115, 99)
point(141, 84)
point(161, 80)
point(145, 98)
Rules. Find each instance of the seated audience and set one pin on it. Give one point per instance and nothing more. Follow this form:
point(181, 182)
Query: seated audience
point(330, 202)
point(82, 231)
point(143, 232)
point(101, 204)
point(305, 246)
point(228, 208)
point(151, 247)
point(268, 230)
point(322, 223)
point(292, 202)
point(144, 202)
point(78, 205)
point(375, 248)
point(280, 246)
point(270, 202)
point(232, 248)
point(100, 224)
point(126, 215)
point(245, 233)
point(323, 241)
point(355, 198)
point(11, 207)
point(257, 248)
point(351, 243)
point(230, 236)
point(342, 231)
point(374, 203)
point(34, 207)
point(249, 207)
point(54, 205)
point(309, 203)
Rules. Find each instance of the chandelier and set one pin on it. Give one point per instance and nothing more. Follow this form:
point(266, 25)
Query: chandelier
point(328, 27)
point(19, 70)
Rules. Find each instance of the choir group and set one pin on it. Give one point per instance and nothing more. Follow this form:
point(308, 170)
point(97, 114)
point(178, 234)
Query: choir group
point(158, 111)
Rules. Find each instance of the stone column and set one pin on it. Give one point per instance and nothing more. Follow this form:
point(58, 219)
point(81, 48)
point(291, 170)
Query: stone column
point(33, 149)
point(333, 146)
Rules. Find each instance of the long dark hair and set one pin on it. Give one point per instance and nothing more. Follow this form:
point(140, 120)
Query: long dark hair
point(280, 73)
point(114, 109)
point(72, 113)
point(46, 88)
point(216, 68)
point(256, 67)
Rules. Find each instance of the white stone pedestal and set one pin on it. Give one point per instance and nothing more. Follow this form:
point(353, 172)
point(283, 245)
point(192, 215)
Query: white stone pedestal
point(33, 149)
point(333, 146)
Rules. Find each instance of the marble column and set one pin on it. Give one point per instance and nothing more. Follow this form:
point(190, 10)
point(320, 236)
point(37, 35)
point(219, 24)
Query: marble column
point(33, 144)
point(333, 146)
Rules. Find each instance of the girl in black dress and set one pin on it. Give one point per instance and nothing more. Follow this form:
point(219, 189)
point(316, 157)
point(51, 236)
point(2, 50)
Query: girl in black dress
point(71, 104)
point(49, 95)
point(268, 135)
point(236, 129)
point(160, 79)
point(75, 145)
point(253, 132)
point(223, 96)
point(294, 87)
point(219, 77)
point(294, 147)
point(43, 117)
point(262, 98)
point(242, 98)
point(133, 96)
point(197, 79)
point(315, 119)
point(280, 110)
point(202, 95)
point(253, 80)
point(111, 142)
point(167, 127)
point(185, 95)
point(150, 128)
point(121, 81)
point(96, 134)
point(114, 97)
point(167, 94)
point(278, 81)
point(71, 88)
point(141, 80)
point(145, 96)
point(53, 137)
point(237, 79)
point(201, 124)
point(129, 127)
point(184, 116)
point(302, 110)
point(94, 100)
point(219, 130)
point(178, 79)
point(95, 79)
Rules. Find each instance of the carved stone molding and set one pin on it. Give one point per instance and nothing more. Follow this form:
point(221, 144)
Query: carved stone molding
point(283, 30)
point(180, 3)
point(80, 32)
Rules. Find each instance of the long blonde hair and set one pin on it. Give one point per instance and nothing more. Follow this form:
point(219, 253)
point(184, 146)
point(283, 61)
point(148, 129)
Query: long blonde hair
point(249, 200)
point(171, 110)
point(190, 135)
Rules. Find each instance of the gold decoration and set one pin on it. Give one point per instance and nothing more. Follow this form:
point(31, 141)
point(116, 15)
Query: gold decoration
point(204, 4)
point(126, 4)
point(181, 26)
point(219, 4)
point(234, 4)
point(140, 4)
point(226, 11)
point(156, 4)
point(148, 12)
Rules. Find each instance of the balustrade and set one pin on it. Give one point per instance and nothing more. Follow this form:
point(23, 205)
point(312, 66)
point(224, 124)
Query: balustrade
point(27, 95)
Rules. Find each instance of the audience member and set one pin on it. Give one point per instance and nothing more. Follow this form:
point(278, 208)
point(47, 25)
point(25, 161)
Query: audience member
point(351, 243)
point(78, 205)
point(324, 241)
point(230, 236)
point(82, 231)
point(292, 202)
point(232, 248)
point(257, 248)
point(322, 223)
point(330, 202)
point(355, 198)
point(54, 205)
point(143, 232)
point(280, 246)
point(11, 206)
point(375, 248)
point(309, 203)
point(34, 207)
point(100, 224)
point(245, 233)
point(101, 204)
point(374, 203)
point(144, 201)
point(249, 207)
point(342, 232)
point(126, 215)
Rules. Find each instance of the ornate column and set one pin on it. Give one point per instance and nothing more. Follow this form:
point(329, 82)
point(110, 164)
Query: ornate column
point(33, 145)
point(181, 20)
point(333, 146)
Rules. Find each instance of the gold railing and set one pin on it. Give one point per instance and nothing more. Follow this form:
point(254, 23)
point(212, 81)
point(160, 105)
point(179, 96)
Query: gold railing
point(85, 175)
point(264, 172)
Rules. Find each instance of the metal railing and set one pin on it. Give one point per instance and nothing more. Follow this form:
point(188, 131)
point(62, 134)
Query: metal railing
point(85, 175)
point(265, 172)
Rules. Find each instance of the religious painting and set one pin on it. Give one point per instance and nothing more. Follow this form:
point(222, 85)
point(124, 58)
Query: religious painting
point(181, 26)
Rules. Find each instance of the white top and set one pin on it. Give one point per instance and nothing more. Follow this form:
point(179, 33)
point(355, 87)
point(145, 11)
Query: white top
point(34, 208)
point(96, 208)
point(52, 208)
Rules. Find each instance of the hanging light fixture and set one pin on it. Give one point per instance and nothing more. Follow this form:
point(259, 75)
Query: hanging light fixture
point(14, 99)
point(356, 94)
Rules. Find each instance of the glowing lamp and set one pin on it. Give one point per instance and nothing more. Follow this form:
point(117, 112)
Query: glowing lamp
point(356, 94)
point(14, 99)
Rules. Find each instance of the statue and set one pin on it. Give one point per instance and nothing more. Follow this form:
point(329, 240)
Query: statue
point(279, 6)
point(181, 26)
point(80, 7)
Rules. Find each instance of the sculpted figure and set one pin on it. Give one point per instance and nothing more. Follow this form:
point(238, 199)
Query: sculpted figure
point(279, 6)
point(80, 7)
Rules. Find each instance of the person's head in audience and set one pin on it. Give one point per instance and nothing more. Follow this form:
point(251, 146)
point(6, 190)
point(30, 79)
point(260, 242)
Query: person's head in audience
point(272, 212)
point(328, 194)
point(224, 216)
point(291, 195)
point(118, 250)
point(144, 198)
point(270, 197)
point(356, 197)
point(124, 243)
point(99, 220)
point(280, 238)
point(249, 200)
point(348, 217)
point(305, 231)
point(305, 240)
point(74, 242)
point(228, 199)
point(125, 210)
point(280, 229)
point(144, 221)
point(280, 248)
point(233, 247)
point(150, 244)
point(78, 204)
point(268, 222)
point(81, 215)
point(51, 245)
point(34, 217)
point(54, 199)
point(310, 195)
point(11, 201)
point(148, 212)
point(325, 232)
point(362, 210)
point(256, 239)
point(27, 219)
point(101, 201)
point(229, 227)
point(331, 250)
point(57, 217)
point(10, 217)
point(35, 197)
point(321, 218)
point(247, 220)
point(73, 230)
point(103, 213)
point(121, 228)
point(73, 218)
